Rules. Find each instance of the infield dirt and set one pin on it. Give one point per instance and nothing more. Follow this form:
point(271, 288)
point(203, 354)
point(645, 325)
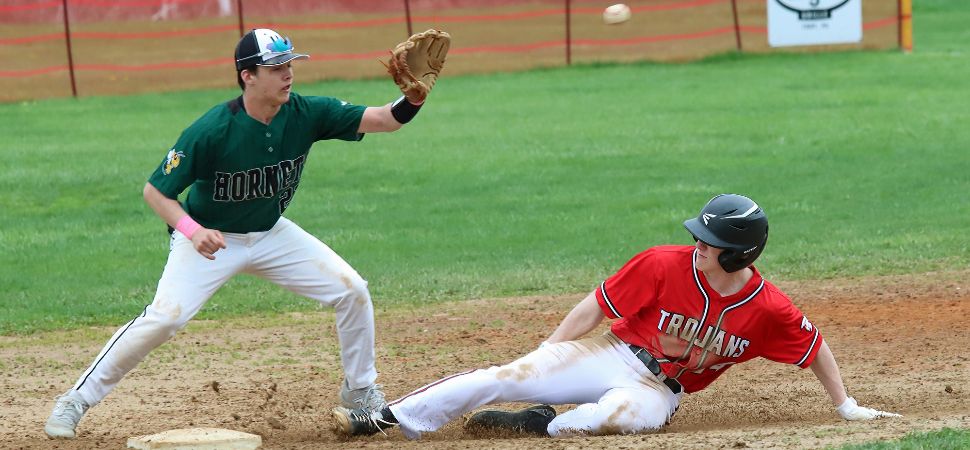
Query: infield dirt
point(901, 343)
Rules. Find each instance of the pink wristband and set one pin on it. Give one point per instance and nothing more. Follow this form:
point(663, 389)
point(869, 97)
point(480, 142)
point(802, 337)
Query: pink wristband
point(187, 226)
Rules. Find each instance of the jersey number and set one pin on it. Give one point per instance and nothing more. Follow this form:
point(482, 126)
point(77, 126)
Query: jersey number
point(285, 196)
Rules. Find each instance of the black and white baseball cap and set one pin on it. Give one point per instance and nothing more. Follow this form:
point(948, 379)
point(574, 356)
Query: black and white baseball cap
point(264, 47)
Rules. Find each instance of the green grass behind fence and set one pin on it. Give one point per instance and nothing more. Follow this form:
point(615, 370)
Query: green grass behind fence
point(524, 183)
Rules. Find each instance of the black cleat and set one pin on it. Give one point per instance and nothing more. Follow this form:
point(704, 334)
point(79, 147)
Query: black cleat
point(531, 420)
point(361, 422)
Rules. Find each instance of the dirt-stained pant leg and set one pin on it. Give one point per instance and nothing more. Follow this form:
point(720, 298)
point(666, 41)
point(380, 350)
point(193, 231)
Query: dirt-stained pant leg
point(619, 411)
point(616, 391)
point(298, 261)
point(188, 281)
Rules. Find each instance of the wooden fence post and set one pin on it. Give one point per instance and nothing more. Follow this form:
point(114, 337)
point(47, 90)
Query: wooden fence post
point(569, 37)
point(905, 25)
point(737, 24)
point(239, 13)
point(407, 16)
point(70, 53)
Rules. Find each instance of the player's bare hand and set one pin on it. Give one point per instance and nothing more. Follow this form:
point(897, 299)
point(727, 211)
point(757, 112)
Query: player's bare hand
point(850, 410)
point(207, 242)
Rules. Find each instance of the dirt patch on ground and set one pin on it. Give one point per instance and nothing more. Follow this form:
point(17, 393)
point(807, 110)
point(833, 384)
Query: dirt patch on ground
point(901, 343)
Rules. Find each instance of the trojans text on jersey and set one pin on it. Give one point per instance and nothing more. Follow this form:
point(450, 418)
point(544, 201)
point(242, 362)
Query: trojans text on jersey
point(713, 340)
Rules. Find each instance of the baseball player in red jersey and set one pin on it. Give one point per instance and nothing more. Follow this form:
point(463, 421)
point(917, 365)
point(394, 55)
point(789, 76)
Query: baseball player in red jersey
point(683, 316)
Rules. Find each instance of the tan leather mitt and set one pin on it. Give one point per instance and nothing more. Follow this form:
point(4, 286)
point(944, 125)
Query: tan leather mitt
point(416, 63)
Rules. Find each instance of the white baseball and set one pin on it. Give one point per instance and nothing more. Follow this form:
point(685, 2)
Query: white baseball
point(616, 14)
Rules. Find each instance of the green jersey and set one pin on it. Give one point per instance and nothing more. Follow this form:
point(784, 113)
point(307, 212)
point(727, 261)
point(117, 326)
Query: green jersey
point(243, 172)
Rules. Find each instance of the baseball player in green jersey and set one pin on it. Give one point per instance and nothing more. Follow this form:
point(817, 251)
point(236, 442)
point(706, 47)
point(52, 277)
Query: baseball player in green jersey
point(242, 162)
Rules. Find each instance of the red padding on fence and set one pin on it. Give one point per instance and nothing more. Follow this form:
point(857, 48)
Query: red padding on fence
point(328, 25)
point(32, 72)
point(663, 7)
point(508, 48)
point(316, 26)
point(163, 65)
point(35, 38)
point(12, 8)
point(133, 2)
point(340, 56)
point(753, 29)
point(490, 17)
point(109, 35)
point(155, 34)
point(591, 42)
point(334, 25)
point(659, 38)
point(350, 56)
point(880, 23)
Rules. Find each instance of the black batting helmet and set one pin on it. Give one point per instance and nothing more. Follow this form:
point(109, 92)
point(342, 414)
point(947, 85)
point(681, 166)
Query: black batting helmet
point(734, 223)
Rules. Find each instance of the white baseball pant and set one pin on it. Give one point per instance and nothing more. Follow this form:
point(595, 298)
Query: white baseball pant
point(286, 255)
point(615, 391)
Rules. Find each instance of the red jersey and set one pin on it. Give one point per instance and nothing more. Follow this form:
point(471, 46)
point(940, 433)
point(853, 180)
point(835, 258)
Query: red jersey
point(665, 305)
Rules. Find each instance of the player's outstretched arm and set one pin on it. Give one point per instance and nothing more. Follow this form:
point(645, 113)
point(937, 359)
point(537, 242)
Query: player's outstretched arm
point(585, 316)
point(378, 119)
point(205, 241)
point(827, 371)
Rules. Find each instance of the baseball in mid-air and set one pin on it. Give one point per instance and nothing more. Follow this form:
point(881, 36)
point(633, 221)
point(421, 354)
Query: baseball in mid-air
point(616, 14)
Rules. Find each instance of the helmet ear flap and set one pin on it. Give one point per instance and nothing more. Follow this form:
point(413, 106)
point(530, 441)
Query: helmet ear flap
point(727, 261)
point(731, 264)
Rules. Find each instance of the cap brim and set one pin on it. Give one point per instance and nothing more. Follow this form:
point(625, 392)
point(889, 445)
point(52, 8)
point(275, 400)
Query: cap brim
point(283, 59)
point(696, 228)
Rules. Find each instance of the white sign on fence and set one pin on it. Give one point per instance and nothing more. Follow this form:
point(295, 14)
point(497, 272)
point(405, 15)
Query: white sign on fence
point(814, 22)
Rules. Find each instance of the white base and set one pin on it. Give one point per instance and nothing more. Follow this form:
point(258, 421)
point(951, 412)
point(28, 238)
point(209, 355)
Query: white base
point(197, 439)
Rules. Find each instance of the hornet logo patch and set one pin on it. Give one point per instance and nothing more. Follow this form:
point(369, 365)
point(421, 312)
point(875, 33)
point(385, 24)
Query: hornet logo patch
point(172, 161)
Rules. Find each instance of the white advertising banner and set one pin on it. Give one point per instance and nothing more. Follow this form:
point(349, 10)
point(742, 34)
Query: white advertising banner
point(814, 22)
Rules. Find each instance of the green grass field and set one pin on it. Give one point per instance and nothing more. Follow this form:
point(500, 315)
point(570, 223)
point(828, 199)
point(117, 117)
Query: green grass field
point(945, 439)
point(525, 183)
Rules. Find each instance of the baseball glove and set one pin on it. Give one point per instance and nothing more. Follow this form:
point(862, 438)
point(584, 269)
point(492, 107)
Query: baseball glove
point(416, 63)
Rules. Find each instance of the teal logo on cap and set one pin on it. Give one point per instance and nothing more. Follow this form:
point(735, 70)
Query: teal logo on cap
point(279, 45)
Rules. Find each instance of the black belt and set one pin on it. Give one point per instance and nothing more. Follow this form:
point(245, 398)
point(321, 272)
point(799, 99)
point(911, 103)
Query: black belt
point(648, 360)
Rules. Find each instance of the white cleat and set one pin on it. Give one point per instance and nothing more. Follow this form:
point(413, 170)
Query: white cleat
point(369, 399)
point(67, 412)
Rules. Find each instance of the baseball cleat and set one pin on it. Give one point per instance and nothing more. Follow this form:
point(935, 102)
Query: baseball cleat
point(360, 422)
point(67, 412)
point(370, 398)
point(531, 420)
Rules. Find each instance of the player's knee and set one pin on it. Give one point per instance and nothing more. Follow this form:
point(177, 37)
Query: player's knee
point(638, 420)
point(609, 418)
point(166, 321)
point(344, 289)
point(357, 291)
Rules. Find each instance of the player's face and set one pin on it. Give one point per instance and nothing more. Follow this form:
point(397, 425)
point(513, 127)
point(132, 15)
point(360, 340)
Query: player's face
point(707, 257)
point(273, 83)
